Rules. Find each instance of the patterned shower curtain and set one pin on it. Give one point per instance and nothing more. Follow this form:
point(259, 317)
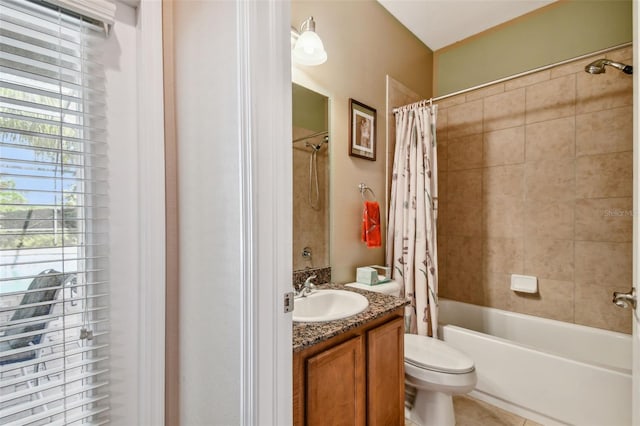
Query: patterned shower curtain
point(411, 238)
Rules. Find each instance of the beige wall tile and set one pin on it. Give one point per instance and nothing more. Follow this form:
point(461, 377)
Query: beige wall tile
point(465, 152)
point(593, 308)
point(504, 218)
point(464, 219)
point(452, 101)
point(443, 156)
point(606, 175)
point(494, 89)
point(504, 255)
point(504, 146)
point(316, 236)
point(464, 267)
point(554, 300)
point(603, 91)
point(600, 132)
point(550, 180)
point(551, 139)
point(447, 292)
point(442, 124)
point(504, 110)
point(572, 67)
point(527, 80)
point(465, 119)
point(443, 218)
point(503, 181)
point(513, 204)
point(621, 55)
point(551, 220)
point(497, 292)
point(605, 219)
point(443, 186)
point(552, 259)
point(551, 99)
point(442, 262)
point(464, 186)
point(476, 293)
point(603, 264)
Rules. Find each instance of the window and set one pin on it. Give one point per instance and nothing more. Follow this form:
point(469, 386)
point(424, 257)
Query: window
point(53, 217)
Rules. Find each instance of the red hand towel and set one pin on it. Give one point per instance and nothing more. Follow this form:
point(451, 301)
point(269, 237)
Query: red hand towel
point(371, 224)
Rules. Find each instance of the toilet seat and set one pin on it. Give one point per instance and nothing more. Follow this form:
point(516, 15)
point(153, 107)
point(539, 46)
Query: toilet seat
point(434, 355)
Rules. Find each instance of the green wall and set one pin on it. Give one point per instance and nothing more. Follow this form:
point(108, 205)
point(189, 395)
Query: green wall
point(558, 32)
point(309, 109)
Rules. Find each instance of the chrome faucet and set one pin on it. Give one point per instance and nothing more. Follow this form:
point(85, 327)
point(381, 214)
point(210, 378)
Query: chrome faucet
point(307, 287)
point(624, 300)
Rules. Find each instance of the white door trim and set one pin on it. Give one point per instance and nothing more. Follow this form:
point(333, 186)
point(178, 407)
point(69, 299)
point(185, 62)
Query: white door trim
point(151, 314)
point(635, 397)
point(264, 95)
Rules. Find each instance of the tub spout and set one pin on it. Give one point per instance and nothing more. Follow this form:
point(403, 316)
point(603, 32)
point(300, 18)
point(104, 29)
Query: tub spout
point(623, 300)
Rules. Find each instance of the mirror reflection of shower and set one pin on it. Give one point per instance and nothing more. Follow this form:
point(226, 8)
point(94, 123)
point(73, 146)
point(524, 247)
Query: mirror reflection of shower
point(311, 188)
point(313, 196)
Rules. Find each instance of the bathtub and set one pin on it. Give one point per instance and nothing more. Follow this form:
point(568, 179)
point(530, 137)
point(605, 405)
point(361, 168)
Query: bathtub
point(548, 371)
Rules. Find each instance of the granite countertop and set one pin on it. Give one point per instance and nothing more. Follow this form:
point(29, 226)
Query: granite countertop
point(307, 334)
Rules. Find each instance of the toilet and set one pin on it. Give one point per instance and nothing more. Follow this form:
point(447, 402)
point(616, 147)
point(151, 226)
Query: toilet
point(433, 373)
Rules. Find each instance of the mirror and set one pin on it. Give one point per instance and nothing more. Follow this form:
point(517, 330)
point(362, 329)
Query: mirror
point(310, 136)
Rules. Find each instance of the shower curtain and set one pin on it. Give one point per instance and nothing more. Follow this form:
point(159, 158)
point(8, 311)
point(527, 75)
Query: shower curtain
point(411, 238)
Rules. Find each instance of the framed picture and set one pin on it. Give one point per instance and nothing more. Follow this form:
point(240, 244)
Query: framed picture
point(362, 138)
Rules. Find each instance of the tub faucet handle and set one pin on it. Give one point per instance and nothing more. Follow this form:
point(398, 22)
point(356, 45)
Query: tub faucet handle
point(623, 300)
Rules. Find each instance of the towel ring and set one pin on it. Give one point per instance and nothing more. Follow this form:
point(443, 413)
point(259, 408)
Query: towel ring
point(363, 189)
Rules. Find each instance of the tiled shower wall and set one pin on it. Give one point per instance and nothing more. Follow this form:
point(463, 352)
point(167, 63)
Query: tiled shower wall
point(535, 178)
point(310, 226)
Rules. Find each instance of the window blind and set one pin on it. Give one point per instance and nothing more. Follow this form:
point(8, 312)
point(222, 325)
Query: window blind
point(53, 218)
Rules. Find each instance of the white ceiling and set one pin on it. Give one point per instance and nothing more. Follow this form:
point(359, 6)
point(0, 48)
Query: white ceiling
point(439, 23)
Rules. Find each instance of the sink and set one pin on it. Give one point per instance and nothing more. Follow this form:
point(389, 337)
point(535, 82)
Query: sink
point(328, 305)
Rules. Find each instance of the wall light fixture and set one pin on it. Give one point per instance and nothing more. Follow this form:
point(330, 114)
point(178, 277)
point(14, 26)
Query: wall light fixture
point(308, 48)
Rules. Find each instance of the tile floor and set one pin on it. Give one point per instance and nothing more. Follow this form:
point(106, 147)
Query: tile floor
point(472, 412)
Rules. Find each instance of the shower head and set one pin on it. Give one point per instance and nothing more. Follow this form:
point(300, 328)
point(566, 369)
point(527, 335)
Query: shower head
point(316, 146)
point(597, 67)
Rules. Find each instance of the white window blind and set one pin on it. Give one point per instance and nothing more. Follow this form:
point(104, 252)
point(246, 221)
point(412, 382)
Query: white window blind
point(53, 218)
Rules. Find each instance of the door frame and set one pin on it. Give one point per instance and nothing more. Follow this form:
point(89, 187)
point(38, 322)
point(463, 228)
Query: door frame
point(152, 223)
point(264, 63)
point(635, 397)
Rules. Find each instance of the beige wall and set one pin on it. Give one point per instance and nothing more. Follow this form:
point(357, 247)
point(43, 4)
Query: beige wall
point(560, 31)
point(364, 44)
point(536, 179)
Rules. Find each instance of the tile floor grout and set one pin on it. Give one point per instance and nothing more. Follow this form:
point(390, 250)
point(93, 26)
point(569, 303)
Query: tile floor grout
point(473, 412)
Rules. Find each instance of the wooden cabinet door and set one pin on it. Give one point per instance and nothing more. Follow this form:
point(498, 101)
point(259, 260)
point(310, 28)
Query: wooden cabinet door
point(335, 385)
point(385, 374)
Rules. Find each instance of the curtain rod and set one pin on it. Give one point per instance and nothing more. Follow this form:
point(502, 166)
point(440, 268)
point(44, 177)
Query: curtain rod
point(324, 132)
point(522, 74)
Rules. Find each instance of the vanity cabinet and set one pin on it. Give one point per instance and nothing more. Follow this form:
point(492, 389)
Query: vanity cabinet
point(336, 385)
point(354, 378)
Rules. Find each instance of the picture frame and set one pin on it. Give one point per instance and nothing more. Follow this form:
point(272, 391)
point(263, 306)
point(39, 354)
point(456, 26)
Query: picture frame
point(362, 135)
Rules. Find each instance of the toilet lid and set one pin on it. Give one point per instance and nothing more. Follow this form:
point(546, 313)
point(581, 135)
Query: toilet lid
point(433, 354)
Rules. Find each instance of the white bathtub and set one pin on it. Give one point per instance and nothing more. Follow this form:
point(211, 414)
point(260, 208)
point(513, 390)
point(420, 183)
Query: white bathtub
point(549, 371)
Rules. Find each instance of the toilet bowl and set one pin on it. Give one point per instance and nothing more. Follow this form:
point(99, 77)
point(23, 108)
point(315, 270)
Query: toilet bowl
point(434, 372)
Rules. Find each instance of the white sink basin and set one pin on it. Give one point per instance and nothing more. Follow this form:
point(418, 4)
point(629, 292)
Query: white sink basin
point(328, 305)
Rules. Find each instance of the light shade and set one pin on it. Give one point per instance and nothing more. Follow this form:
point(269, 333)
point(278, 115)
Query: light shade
point(309, 49)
